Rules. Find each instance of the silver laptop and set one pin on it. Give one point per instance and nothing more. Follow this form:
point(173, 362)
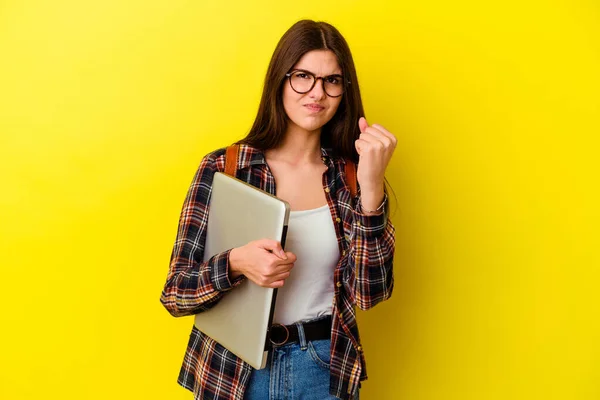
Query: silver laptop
point(240, 213)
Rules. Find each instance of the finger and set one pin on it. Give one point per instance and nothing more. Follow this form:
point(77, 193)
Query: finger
point(382, 129)
point(267, 244)
point(364, 144)
point(268, 282)
point(386, 132)
point(373, 141)
point(272, 246)
point(359, 144)
point(362, 124)
point(291, 257)
point(379, 135)
point(279, 266)
point(276, 285)
point(281, 277)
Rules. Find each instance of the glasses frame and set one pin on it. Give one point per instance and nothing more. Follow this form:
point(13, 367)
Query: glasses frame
point(315, 79)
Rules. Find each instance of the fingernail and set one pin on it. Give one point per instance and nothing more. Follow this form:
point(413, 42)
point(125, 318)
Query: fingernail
point(282, 254)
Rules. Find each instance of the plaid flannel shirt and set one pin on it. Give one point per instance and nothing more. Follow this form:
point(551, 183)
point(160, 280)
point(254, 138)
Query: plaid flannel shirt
point(363, 277)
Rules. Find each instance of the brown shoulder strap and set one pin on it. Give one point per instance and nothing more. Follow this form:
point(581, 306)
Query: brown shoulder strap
point(351, 177)
point(231, 158)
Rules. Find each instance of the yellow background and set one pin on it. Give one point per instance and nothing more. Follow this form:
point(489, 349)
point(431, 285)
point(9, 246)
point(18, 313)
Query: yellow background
point(107, 107)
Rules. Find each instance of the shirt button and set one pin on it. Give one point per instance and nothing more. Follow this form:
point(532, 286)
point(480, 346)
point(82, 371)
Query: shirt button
point(359, 348)
point(338, 220)
point(343, 252)
point(341, 316)
point(326, 190)
point(358, 223)
point(339, 284)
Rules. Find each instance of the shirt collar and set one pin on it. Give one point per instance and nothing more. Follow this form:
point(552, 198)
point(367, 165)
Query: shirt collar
point(252, 156)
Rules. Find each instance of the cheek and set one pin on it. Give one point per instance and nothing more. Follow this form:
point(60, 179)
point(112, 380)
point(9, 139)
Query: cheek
point(334, 107)
point(290, 100)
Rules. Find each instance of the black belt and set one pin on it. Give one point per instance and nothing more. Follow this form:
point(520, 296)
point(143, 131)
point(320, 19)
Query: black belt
point(284, 334)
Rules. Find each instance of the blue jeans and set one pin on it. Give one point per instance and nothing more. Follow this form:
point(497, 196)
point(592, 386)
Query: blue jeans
point(294, 371)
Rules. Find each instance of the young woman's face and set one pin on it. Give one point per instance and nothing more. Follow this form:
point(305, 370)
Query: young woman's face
point(311, 110)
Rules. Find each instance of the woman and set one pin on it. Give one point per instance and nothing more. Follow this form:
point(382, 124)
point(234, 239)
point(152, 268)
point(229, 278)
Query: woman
point(339, 248)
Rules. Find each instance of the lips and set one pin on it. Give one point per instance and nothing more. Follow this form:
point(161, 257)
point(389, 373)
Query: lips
point(314, 107)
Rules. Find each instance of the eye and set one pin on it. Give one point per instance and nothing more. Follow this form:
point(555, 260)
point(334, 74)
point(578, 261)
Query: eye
point(302, 75)
point(334, 80)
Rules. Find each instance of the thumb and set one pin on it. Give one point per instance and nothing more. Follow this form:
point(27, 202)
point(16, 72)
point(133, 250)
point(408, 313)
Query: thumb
point(274, 247)
point(362, 124)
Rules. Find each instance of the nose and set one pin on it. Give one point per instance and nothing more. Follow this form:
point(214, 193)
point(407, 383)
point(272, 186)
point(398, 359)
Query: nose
point(318, 91)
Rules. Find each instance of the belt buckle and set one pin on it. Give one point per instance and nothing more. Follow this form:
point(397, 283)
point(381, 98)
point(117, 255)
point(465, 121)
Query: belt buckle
point(287, 332)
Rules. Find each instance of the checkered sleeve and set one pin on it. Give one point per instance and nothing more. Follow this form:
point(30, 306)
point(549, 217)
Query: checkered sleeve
point(192, 285)
point(370, 276)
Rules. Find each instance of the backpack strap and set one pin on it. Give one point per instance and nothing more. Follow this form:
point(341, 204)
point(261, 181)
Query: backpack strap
point(351, 177)
point(231, 159)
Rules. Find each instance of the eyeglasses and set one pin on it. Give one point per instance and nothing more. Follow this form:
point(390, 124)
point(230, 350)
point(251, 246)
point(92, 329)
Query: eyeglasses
point(302, 81)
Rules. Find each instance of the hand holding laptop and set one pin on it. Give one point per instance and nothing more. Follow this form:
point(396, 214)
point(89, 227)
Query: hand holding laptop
point(263, 262)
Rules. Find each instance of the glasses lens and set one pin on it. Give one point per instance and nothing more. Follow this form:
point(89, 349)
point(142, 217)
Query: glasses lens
point(301, 81)
point(334, 85)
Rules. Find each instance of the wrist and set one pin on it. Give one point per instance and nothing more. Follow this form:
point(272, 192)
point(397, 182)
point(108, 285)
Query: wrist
point(368, 206)
point(372, 199)
point(234, 263)
point(371, 186)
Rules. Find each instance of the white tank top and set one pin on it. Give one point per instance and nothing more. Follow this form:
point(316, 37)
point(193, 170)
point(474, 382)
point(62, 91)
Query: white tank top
point(308, 292)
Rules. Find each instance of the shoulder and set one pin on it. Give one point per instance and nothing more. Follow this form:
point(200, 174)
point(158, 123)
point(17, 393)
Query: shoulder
point(216, 159)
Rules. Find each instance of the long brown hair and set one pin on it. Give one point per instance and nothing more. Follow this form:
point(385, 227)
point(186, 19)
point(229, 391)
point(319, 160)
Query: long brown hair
point(340, 133)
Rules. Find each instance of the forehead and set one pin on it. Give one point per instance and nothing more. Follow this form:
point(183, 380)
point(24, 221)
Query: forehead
point(319, 62)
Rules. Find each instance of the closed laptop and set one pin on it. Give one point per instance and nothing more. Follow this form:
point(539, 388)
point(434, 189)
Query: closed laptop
point(240, 213)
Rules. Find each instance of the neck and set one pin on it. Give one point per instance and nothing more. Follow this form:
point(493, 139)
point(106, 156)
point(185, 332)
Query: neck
point(299, 146)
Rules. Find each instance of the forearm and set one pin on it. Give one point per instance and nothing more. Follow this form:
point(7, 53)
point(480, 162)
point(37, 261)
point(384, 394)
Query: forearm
point(369, 274)
point(193, 289)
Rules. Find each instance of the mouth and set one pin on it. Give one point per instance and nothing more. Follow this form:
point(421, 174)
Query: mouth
point(314, 107)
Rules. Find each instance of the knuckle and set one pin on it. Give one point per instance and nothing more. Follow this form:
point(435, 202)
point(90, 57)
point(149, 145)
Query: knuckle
point(268, 271)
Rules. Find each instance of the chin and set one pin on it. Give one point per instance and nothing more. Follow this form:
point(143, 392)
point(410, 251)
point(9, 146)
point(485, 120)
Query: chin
point(311, 125)
point(312, 128)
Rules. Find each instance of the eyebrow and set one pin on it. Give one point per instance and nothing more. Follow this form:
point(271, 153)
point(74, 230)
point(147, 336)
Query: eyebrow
point(306, 70)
